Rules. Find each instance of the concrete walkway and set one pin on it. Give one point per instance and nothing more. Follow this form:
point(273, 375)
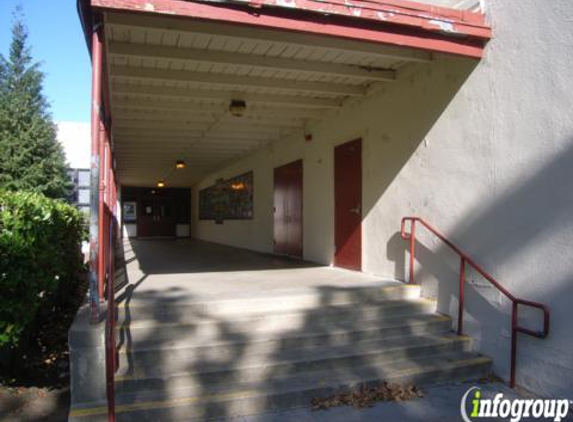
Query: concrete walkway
point(193, 270)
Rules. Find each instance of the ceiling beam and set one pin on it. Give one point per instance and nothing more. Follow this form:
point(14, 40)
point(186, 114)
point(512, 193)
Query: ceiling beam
point(191, 55)
point(184, 115)
point(154, 124)
point(136, 153)
point(186, 118)
point(158, 135)
point(229, 80)
point(165, 164)
point(199, 146)
point(186, 142)
point(252, 34)
point(290, 101)
point(206, 128)
point(186, 107)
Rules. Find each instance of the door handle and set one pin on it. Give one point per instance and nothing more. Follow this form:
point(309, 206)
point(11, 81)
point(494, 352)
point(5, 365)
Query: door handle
point(356, 210)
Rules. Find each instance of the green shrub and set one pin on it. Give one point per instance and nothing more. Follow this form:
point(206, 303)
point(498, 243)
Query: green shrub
point(40, 255)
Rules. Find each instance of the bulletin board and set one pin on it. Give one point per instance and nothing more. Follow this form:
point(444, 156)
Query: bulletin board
point(240, 197)
point(230, 199)
point(205, 211)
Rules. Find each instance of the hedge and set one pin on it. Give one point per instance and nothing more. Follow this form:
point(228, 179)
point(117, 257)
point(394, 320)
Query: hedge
point(40, 255)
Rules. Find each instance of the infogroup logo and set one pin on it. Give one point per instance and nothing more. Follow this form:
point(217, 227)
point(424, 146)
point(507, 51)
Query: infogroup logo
point(512, 409)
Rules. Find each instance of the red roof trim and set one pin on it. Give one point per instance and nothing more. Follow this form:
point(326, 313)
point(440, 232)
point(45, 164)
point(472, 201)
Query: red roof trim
point(421, 30)
point(419, 15)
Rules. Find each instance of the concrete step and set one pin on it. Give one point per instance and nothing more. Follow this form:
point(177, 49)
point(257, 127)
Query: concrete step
point(243, 363)
point(223, 331)
point(206, 401)
point(280, 301)
point(327, 313)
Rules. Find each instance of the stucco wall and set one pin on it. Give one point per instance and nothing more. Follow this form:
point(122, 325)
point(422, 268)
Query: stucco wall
point(486, 154)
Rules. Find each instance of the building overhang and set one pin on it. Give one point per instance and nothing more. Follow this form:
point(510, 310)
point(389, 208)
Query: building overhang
point(172, 68)
point(392, 22)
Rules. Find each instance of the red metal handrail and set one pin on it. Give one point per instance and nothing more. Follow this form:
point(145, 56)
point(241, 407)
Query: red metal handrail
point(464, 261)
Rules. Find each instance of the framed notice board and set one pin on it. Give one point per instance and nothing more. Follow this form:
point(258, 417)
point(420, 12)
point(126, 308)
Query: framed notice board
point(240, 197)
point(230, 199)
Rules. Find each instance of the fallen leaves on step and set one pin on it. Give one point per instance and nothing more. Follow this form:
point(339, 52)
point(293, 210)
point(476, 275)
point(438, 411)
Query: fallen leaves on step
point(368, 396)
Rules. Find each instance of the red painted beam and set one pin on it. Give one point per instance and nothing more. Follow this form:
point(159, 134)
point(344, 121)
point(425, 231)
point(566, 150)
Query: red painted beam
point(438, 19)
point(423, 31)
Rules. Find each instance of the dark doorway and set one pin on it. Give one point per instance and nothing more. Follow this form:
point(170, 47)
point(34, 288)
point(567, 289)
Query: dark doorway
point(288, 210)
point(348, 205)
point(158, 210)
point(156, 218)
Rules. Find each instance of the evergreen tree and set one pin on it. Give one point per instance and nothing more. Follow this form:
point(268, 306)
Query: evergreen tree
point(31, 158)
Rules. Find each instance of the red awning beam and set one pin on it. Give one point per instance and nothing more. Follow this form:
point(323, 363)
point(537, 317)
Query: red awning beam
point(397, 22)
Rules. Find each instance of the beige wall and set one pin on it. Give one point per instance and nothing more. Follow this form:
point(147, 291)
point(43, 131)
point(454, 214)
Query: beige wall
point(390, 122)
point(485, 153)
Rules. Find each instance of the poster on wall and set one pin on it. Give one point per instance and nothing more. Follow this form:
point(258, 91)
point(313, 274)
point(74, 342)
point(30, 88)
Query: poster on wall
point(241, 197)
point(205, 212)
point(129, 211)
point(230, 199)
point(220, 201)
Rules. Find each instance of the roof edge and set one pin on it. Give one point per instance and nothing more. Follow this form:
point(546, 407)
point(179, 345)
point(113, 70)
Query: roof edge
point(392, 22)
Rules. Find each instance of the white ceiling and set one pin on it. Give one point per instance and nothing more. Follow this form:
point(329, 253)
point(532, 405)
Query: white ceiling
point(172, 81)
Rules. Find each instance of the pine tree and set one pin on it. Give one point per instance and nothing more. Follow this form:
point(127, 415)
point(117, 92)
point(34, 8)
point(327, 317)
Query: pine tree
point(31, 158)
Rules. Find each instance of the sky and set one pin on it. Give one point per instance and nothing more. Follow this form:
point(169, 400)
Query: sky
point(57, 42)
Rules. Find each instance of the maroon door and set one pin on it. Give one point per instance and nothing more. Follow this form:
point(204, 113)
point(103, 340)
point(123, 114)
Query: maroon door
point(288, 210)
point(348, 205)
point(156, 218)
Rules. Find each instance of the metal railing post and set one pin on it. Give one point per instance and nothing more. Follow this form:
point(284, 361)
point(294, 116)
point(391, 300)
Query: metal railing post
point(412, 249)
point(513, 344)
point(462, 296)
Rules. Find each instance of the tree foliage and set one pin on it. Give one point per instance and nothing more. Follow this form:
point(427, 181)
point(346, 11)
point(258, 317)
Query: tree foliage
point(30, 156)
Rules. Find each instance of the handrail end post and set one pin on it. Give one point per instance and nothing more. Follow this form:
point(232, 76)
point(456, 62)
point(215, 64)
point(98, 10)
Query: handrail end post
point(513, 362)
point(461, 298)
point(412, 250)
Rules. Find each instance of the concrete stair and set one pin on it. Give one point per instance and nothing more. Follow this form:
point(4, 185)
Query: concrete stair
point(213, 360)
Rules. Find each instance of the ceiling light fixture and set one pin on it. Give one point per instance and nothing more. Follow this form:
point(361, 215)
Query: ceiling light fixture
point(180, 164)
point(238, 186)
point(238, 107)
point(161, 184)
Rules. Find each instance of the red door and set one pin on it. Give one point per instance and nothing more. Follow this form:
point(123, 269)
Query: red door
point(156, 218)
point(288, 210)
point(348, 205)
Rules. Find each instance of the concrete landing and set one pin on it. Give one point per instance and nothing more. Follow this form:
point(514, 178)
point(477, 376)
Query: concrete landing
point(193, 270)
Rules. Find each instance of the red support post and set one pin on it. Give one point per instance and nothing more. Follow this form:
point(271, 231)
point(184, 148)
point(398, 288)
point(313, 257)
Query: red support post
point(462, 296)
point(101, 211)
point(513, 344)
point(412, 249)
point(95, 288)
point(111, 355)
point(108, 201)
